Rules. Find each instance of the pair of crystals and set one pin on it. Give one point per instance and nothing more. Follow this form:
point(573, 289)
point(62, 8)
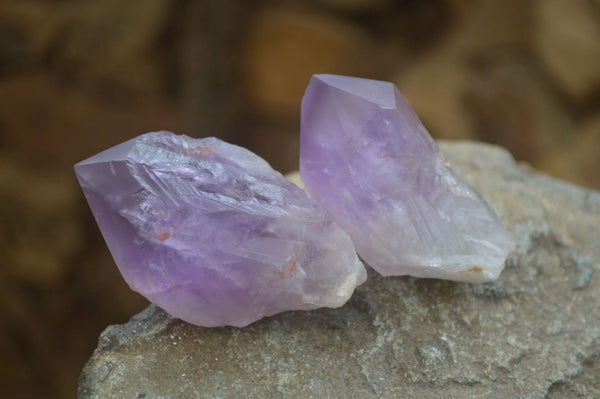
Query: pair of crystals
point(212, 234)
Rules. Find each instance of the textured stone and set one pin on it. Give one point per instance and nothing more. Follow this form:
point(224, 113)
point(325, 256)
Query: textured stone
point(212, 234)
point(368, 161)
point(534, 333)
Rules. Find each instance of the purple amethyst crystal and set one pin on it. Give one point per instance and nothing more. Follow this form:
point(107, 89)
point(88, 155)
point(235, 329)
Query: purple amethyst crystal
point(368, 161)
point(210, 233)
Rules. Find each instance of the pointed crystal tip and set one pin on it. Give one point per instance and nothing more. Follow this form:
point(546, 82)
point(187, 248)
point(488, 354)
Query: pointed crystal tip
point(375, 91)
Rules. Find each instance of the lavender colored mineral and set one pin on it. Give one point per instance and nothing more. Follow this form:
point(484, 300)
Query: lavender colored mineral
point(210, 233)
point(368, 161)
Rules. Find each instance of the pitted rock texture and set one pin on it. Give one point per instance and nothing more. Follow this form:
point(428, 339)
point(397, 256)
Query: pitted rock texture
point(534, 333)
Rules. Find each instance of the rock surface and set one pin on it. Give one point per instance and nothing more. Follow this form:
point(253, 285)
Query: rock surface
point(534, 333)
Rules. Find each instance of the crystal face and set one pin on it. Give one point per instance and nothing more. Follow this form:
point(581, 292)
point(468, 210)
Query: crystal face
point(369, 162)
point(210, 233)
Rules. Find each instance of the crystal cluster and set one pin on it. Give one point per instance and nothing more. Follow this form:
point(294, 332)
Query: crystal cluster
point(367, 160)
point(213, 235)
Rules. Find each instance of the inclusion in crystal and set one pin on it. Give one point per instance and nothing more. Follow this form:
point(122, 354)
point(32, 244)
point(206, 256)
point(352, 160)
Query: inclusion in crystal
point(367, 160)
point(212, 234)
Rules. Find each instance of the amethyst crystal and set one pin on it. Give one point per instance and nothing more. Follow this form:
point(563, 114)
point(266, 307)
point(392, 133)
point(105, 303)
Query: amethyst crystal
point(210, 233)
point(368, 161)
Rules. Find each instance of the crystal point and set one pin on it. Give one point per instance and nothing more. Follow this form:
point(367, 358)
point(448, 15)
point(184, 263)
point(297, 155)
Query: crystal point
point(213, 235)
point(366, 159)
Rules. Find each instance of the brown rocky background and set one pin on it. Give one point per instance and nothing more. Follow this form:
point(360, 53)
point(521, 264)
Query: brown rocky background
point(79, 76)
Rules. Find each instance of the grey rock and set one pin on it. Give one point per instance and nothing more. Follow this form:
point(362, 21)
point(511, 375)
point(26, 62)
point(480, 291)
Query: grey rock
point(534, 333)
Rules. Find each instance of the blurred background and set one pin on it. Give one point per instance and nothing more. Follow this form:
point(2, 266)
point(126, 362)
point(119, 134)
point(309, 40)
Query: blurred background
point(77, 77)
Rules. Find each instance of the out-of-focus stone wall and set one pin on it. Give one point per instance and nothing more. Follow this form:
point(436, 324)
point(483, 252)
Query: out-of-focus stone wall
point(79, 76)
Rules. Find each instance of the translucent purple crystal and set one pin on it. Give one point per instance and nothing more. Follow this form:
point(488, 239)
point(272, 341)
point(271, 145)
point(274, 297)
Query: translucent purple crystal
point(210, 233)
point(368, 161)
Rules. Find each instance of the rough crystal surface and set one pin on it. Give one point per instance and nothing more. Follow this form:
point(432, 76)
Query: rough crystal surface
point(369, 162)
point(212, 234)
